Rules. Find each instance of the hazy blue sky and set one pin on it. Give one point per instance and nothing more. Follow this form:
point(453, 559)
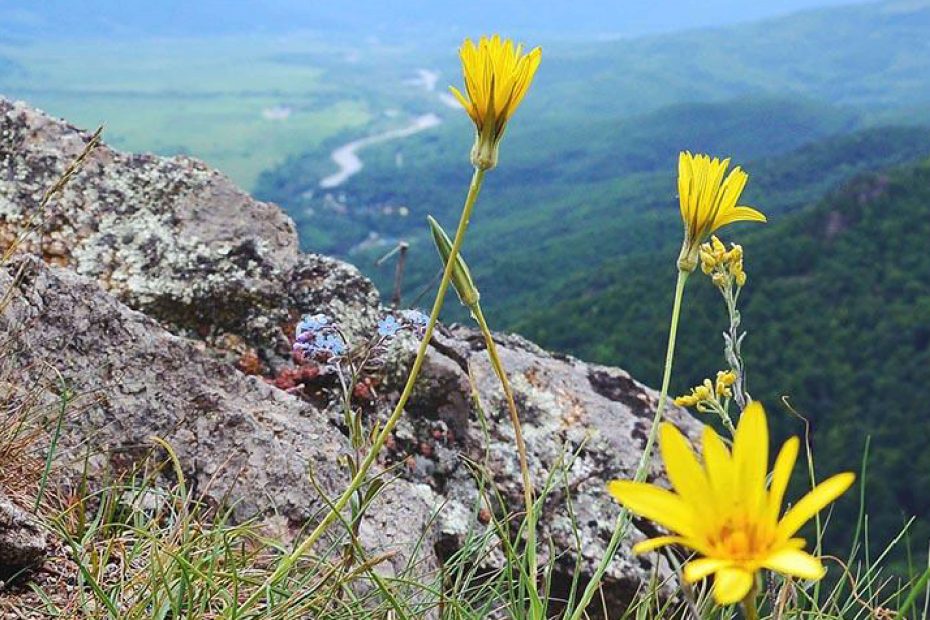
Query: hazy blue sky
point(109, 18)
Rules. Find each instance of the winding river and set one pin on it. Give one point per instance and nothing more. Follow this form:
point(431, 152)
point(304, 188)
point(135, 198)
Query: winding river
point(346, 156)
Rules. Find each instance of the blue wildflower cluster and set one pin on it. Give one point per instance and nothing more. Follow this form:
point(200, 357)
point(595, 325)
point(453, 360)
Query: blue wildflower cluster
point(387, 329)
point(412, 320)
point(415, 320)
point(317, 337)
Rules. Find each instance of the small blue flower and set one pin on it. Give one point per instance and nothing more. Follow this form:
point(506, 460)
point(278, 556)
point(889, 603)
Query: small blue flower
point(388, 326)
point(415, 318)
point(317, 336)
point(313, 324)
point(330, 343)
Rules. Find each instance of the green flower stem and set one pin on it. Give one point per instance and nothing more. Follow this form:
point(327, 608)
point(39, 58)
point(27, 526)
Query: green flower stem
point(749, 603)
point(643, 468)
point(732, 348)
point(528, 500)
point(722, 411)
point(623, 519)
point(287, 563)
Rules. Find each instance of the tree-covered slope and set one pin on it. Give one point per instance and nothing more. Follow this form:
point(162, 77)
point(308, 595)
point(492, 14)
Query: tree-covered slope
point(578, 164)
point(871, 55)
point(554, 179)
point(838, 313)
point(529, 241)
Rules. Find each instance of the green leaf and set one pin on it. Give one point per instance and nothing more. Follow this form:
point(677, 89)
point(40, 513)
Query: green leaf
point(461, 276)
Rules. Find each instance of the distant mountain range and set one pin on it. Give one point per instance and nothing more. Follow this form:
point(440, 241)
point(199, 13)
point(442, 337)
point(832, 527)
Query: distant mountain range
point(601, 112)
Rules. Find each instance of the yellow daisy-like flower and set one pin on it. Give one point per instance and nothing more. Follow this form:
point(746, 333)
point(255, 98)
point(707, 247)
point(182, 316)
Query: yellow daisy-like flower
point(708, 201)
point(723, 510)
point(497, 76)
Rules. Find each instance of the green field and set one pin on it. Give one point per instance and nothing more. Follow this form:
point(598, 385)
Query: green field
point(200, 97)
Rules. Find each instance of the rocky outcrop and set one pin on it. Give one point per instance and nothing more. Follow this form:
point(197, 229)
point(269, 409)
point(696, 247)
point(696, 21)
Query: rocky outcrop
point(22, 540)
point(125, 380)
point(584, 424)
point(213, 276)
point(170, 237)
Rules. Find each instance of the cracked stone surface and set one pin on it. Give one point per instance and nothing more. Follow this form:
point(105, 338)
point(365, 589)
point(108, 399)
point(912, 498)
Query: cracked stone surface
point(238, 439)
point(584, 424)
point(170, 237)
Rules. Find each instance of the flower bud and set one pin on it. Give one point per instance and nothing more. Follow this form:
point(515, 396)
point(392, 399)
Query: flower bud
point(708, 262)
point(461, 276)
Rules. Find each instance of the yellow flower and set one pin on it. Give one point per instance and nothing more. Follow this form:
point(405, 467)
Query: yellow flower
point(723, 511)
point(708, 260)
point(724, 381)
point(708, 201)
point(687, 400)
point(497, 76)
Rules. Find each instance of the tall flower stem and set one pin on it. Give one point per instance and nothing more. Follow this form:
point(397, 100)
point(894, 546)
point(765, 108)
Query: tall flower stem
point(287, 563)
point(643, 468)
point(491, 346)
point(623, 519)
point(749, 604)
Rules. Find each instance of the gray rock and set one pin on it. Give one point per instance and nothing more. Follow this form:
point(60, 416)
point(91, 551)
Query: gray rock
point(239, 440)
point(584, 424)
point(170, 237)
point(22, 540)
point(177, 241)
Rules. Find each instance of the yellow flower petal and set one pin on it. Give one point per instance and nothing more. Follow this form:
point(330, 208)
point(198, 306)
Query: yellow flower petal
point(695, 570)
point(740, 214)
point(684, 185)
point(462, 100)
point(731, 585)
point(652, 544)
point(813, 502)
point(751, 455)
point(655, 504)
point(781, 475)
point(795, 563)
point(685, 473)
point(719, 466)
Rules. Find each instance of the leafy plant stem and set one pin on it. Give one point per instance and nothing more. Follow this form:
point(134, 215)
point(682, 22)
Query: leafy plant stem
point(535, 603)
point(749, 606)
point(358, 480)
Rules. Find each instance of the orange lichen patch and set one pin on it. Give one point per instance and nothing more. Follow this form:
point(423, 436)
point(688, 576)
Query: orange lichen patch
point(249, 363)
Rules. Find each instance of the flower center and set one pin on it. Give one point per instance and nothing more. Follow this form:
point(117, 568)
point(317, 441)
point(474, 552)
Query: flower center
point(740, 541)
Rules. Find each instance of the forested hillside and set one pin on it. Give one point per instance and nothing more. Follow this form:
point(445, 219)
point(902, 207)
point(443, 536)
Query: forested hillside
point(838, 313)
point(600, 112)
